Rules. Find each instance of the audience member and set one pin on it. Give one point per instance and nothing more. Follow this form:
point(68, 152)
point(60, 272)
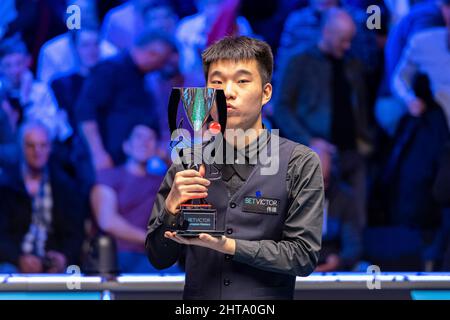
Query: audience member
point(121, 198)
point(41, 215)
point(114, 97)
point(303, 27)
point(35, 98)
point(194, 32)
point(322, 102)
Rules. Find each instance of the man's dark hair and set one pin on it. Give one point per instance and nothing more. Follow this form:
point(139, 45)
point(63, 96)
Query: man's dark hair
point(147, 124)
point(238, 49)
point(12, 45)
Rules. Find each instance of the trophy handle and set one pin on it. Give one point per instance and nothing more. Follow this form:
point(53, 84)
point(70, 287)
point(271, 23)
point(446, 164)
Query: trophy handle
point(172, 110)
point(221, 105)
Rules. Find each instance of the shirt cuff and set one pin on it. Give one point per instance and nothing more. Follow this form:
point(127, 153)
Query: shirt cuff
point(246, 251)
point(169, 220)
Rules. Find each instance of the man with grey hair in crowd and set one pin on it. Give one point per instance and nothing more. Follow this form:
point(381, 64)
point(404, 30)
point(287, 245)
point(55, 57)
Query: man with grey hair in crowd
point(41, 214)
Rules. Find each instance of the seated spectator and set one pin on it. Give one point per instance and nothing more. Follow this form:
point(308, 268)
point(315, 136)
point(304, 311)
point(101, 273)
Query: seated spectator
point(35, 21)
point(194, 32)
point(314, 104)
point(67, 87)
point(114, 97)
point(35, 98)
point(41, 215)
point(122, 196)
point(57, 56)
point(303, 27)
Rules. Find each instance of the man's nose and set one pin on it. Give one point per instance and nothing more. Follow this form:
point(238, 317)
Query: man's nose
point(229, 91)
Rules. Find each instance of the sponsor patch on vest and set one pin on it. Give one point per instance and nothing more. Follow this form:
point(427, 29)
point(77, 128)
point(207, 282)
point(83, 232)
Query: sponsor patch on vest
point(260, 205)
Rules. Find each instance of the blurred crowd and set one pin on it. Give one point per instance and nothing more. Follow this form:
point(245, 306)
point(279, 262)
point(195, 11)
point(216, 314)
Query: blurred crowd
point(84, 138)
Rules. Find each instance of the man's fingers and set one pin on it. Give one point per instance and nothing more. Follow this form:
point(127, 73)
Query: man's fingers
point(195, 195)
point(193, 180)
point(173, 236)
point(188, 173)
point(202, 170)
point(193, 188)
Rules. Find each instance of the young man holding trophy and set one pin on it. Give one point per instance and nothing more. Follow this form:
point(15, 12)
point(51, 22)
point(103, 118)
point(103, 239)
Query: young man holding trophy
point(246, 230)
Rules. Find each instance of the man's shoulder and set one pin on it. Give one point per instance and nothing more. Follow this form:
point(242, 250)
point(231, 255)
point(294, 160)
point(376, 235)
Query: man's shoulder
point(302, 156)
point(298, 150)
point(57, 46)
point(429, 36)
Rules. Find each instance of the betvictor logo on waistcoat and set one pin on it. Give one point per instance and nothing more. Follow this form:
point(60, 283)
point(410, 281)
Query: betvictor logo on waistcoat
point(260, 205)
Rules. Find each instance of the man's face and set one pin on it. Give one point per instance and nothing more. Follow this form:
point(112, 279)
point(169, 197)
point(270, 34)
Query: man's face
point(339, 38)
point(13, 66)
point(88, 48)
point(36, 148)
point(244, 91)
point(153, 56)
point(141, 145)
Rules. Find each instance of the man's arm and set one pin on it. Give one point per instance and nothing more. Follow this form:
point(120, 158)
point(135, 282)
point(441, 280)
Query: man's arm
point(403, 76)
point(101, 158)
point(104, 205)
point(95, 95)
point(298, 252)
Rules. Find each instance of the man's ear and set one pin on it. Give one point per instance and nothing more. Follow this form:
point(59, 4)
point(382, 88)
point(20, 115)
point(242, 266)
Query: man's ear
point(267, 93)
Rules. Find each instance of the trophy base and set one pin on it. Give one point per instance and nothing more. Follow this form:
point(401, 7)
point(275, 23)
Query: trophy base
point(195, 234)
point(198, 218)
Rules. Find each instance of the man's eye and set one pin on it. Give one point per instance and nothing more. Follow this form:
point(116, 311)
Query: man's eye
point(216, 82)
point(243, 81)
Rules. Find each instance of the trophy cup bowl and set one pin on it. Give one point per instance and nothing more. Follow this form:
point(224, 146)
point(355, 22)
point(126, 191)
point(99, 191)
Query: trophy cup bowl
point(197, 216)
